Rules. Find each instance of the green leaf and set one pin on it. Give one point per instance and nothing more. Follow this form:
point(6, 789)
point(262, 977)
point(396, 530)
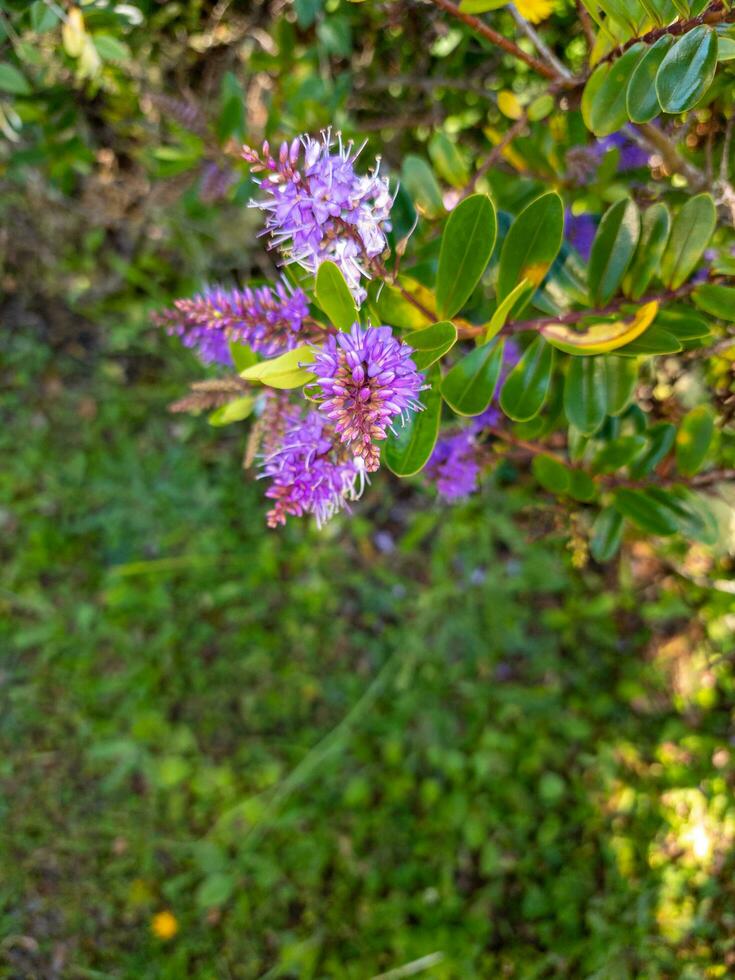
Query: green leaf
point(619, 452)
point(109, 48)
point(43, 18)
point(481, 6)
point(391, 307)
point(683, 322)
point(687, 70)
point(334, 297)
point(231, 118)
point(553, 475)
point(645, 511)
point(501, 314)
point(420, 182)
point(641, 100)
point(234, 411)
point(687, 511)
point(694, 439)
point(407, 449)
point(215, 890)
point(660, 441)
point(431, 343)
point(531, 245)
point(621, 376)
point(604, 106)
point(581, 486)
point(718, 301)
point(467, 244)
point(692, 229)
point(13, 81)
point(447, 160)
point(607, 533)
point(613, 249)
point(655, 229)
point(655, 340)
point(527, 386)
point(584, 393)
point(242, 355)
point(469, 387)
point(285, 371)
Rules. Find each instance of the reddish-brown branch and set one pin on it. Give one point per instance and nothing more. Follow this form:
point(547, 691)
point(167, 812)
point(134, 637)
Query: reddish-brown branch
point(575, 316)
point(716, 13)
point(484, 30)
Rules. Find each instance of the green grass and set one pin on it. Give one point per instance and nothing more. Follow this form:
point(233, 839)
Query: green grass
point(418, 734)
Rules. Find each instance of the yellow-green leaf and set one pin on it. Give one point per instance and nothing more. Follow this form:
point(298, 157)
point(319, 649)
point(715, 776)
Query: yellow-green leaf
point(286, 371)
point(601, 338)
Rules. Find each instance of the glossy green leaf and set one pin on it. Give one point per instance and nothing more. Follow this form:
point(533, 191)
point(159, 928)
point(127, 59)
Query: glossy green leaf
point(553, 475)
point(694, 439)
point(655, 229)
point(683, 322)
point(687, 70)
point(645, 511)
point(584, 393)
point(620, 378)
point(604, 105)
point(660, 442)
point(718, 301)
point(469, 387)
point(501, 314)
point(420, 182)
point(607, 533)
point(531, 245)
point(286, 371)
point(467, 244)
point(613, 249)
point(654, 341)
point(334, 297)
point(234, 411)
point(407, 449)
point(641, 99)
point(690, 234)
point(527, 386)
point(431, 343)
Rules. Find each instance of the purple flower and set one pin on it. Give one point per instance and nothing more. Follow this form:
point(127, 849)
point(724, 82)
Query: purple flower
point(321, 208)
point(270, 320)
point(310, 472)
point(632, 156)
point(454, 465)
point(365, 381)
point(581, 230)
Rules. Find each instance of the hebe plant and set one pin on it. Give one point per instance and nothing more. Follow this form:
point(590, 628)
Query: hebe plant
point(423, 327)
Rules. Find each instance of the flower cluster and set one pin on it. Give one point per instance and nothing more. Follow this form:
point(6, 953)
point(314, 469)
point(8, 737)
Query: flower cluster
point(319, 208)
point(365, 381)
point(269, 319)
point(309, 472)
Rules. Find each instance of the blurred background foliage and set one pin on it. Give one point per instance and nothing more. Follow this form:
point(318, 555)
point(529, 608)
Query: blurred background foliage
point(421, 741)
